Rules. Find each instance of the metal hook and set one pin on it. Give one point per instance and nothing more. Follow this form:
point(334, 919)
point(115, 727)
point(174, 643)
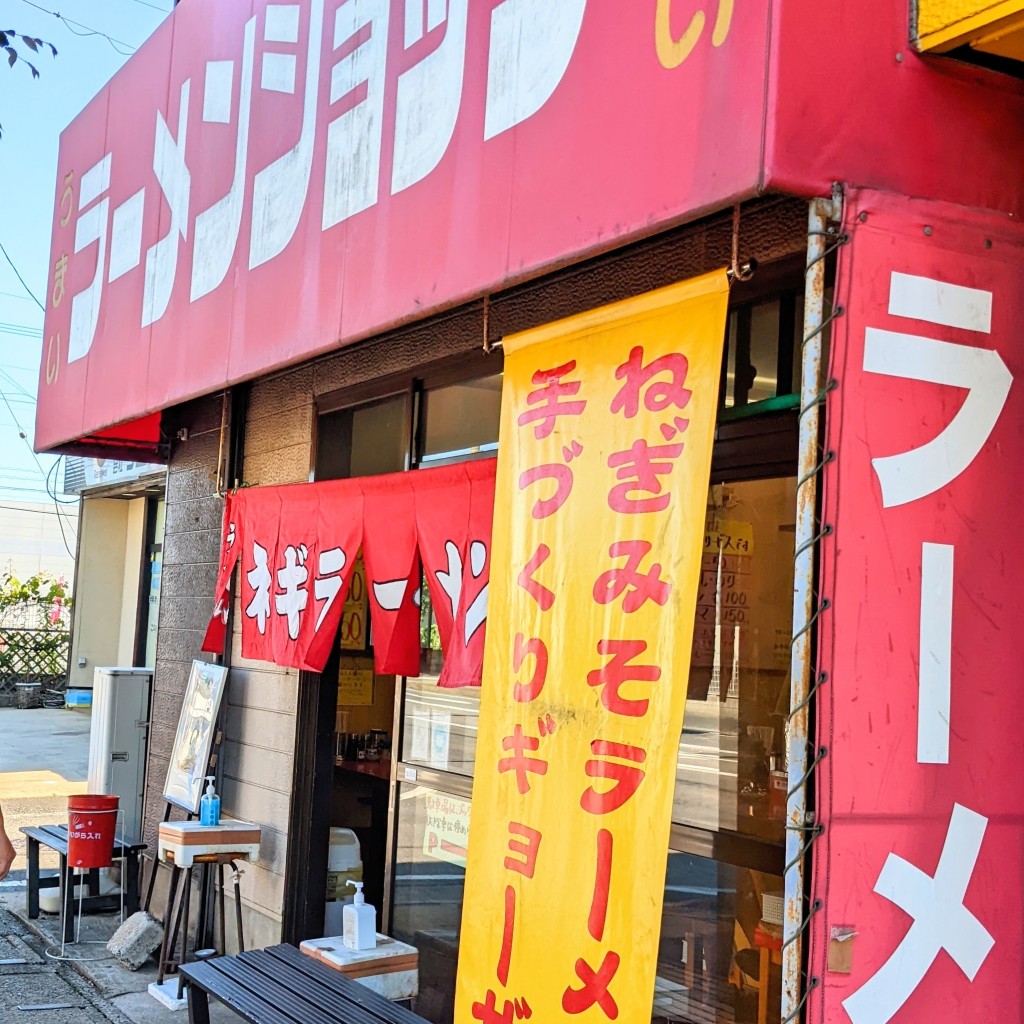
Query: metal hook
point(489, 346)
point(739, 271)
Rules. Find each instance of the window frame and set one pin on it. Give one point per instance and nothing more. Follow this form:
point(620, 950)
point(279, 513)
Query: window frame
point(415, 384)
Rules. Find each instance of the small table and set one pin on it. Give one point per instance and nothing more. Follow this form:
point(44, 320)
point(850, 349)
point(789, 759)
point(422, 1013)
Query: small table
point(390, 969)
point(188, 844)
point(55, 837)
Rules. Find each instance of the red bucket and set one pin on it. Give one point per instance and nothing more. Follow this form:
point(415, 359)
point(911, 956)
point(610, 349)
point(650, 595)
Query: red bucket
point(92, 821)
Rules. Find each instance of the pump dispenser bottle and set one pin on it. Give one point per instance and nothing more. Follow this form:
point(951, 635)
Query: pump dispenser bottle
point(209, 806)
point(360, 921)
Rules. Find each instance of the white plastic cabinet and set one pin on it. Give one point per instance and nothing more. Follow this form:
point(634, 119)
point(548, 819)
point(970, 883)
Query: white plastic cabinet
point(118, 737)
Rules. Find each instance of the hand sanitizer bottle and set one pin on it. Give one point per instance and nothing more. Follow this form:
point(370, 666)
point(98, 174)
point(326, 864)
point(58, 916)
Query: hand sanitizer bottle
point(360, 921)
point(209, 806)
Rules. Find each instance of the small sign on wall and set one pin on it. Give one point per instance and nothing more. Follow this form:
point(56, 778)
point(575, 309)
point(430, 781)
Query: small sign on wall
point(355, 687)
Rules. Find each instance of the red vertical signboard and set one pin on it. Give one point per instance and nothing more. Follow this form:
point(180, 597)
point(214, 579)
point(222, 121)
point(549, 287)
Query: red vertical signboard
point(918, 868)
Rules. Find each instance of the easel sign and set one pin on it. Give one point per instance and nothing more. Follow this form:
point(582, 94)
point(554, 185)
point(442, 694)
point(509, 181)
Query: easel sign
point(193, 741)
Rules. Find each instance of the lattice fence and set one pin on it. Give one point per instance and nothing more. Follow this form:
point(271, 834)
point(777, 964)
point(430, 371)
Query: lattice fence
point(35, 642)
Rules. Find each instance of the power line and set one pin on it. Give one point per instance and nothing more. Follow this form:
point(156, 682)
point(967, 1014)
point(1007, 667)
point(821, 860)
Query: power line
point(51, 485)
point(23, 434)
point(154, 7)
point(34, 511)
point(9, 260)
point(46, 477)
point(50, 489)
point(20, 330)
point(86, 29)
point(4, 487)
point(14, 382)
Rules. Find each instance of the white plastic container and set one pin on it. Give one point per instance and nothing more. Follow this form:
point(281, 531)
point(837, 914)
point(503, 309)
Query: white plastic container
point(360, 931)
point(344, 864)
point(343, 852)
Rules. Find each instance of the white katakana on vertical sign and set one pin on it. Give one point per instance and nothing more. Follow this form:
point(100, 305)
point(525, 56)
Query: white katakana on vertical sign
point(940, 921)
point(354, 137)
point(92, 226)
point(175, 182)
point(935, 904)
point(921, 471)
point(279, 191)
point(919, 916)
point(216, 230)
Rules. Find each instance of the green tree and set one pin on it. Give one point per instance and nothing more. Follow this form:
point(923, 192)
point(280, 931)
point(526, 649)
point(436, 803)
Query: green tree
point(10, 40)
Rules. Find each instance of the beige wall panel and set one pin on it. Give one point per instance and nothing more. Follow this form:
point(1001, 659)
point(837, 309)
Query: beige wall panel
point(134, 544)
point(267, 728)
point(277, 691)
point(99, 587)
point(262, 889)
point(252, 802)
point(259, 928)
point(251, 760)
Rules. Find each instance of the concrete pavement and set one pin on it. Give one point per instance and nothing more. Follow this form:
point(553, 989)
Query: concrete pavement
point(39, 990)
point(44, 757)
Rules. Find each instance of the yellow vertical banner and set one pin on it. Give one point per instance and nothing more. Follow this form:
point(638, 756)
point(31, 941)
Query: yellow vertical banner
point(604, 460)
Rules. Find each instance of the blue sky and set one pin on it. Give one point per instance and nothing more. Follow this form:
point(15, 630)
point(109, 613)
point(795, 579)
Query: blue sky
point(33, 112)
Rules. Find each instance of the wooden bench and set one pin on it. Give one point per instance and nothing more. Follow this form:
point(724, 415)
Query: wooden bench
point(55, 837)
point(280, 985)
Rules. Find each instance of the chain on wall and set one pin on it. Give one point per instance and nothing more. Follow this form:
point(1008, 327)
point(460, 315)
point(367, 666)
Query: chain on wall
point(809, 830)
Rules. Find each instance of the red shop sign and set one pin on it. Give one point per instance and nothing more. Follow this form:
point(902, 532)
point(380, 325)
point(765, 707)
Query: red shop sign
point(262, 182)
point(920, 793)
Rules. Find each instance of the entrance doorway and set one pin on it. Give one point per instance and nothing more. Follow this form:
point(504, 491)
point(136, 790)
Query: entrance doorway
point(354, 725)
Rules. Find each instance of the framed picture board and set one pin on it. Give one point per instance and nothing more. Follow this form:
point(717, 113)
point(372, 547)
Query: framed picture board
point(194, 738)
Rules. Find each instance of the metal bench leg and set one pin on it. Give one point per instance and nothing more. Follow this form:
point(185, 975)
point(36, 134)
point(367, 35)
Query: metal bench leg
point(130, 864)
point(32, 887)
point(67, 912)
point(198, 1006)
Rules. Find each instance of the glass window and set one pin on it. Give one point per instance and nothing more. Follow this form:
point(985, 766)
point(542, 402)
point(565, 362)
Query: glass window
point(461, 420)
point(762, 351)
point(363, 440)
point(731, 770)
point(429, 875)
point(720, 950)
point(440, 725)
point(151, 609)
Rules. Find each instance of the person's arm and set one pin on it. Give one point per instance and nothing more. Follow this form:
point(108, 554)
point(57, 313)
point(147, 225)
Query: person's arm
point(6, 849)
